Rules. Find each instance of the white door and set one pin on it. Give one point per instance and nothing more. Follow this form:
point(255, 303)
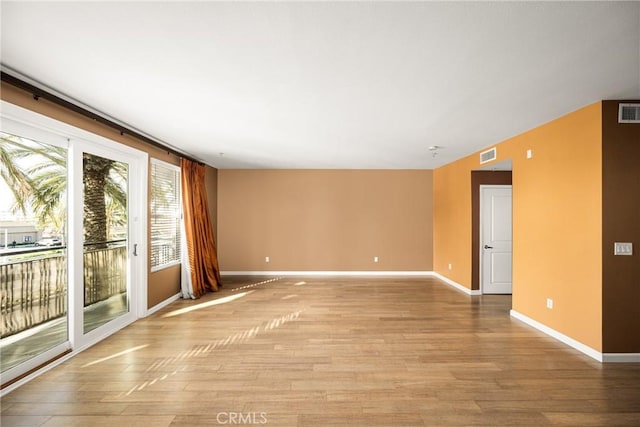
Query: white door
point(495, 239)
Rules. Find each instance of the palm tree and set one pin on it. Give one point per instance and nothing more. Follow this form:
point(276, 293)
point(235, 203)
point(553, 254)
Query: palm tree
point(16, 179)
point(95, 171)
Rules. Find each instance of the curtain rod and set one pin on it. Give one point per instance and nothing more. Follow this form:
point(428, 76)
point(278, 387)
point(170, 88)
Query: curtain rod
point(38, 93)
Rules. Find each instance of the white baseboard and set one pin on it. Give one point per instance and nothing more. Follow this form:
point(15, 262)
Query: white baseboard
point(600, 357)
point(163, 304)
point(328, 273)
point(456, 285)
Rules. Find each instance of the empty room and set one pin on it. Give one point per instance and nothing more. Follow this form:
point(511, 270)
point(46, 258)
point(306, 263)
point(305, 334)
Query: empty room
point(369, 213)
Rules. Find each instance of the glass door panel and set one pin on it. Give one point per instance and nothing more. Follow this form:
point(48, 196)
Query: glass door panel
point(105, 240)
point(33, 249)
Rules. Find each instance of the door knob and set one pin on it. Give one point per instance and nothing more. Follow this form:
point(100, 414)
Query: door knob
point(488, 247)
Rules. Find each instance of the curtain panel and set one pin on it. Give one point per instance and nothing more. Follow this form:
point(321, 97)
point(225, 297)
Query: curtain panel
point(202, 273)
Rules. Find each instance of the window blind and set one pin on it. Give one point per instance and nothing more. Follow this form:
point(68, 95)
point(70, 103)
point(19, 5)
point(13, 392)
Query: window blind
point(165, 215)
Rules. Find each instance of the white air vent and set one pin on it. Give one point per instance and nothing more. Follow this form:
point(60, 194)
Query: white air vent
point(487, 156)
point(629, 113)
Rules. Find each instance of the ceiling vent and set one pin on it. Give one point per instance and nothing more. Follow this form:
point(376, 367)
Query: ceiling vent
point(487, 156)
point(629, 113)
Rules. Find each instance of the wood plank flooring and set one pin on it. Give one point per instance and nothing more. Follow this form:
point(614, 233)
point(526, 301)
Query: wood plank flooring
point(330, 352)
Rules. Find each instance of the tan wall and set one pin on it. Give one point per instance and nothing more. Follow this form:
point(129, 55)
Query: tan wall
point(325, 220)
point(161, 285)
point(452, 220)
point(621, 223)
point(211, 184)
point(557, 223)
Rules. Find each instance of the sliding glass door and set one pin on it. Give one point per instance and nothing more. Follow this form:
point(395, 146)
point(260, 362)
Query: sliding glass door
point(73, 239)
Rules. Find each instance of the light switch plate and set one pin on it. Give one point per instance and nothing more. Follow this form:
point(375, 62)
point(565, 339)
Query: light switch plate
point(623, 248)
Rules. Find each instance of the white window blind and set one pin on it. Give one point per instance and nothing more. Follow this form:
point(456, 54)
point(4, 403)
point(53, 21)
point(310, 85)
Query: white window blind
point(166, 212)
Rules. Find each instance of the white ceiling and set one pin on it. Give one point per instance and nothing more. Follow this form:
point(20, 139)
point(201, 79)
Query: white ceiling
point(328, 84)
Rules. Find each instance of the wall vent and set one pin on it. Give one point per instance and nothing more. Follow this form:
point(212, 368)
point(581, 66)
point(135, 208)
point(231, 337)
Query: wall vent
point(629, 113)
point(487, 156)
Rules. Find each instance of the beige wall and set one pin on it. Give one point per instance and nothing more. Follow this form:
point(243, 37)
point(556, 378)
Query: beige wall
point(325, 220)
point(211, 184)
point(557, 223)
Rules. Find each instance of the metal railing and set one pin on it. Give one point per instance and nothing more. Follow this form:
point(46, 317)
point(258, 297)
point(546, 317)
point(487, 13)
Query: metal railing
point(33, 282)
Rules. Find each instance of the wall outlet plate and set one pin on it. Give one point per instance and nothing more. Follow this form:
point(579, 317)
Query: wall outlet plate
point(623, 248)
point(549, 303)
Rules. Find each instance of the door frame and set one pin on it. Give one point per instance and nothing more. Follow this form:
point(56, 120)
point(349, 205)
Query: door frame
point(481, 177)
point(480, 248)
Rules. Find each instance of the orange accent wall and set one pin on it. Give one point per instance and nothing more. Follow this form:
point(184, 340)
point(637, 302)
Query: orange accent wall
point(325, 220)
point(452, 220)
point(557, 222)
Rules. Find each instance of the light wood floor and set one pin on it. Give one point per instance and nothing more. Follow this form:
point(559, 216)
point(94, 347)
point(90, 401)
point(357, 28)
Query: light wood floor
point(330, 352)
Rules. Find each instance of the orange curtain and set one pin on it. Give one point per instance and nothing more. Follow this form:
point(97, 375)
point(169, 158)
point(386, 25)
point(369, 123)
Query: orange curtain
point(201, 247)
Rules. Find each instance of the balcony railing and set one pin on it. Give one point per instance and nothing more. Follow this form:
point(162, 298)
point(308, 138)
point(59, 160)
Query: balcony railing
point(33, 282)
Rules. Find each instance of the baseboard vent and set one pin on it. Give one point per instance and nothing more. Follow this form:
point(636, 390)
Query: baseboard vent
point(489, 155)
point(629, 113)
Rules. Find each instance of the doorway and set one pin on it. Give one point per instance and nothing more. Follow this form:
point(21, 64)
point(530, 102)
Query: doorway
point(493, 176)
point(496, 239)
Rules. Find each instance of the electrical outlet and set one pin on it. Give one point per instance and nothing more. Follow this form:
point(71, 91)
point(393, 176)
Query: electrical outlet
point(375, 259)
point(450, 266)
point(549, 303)
point(266, 259)
point(529, 153)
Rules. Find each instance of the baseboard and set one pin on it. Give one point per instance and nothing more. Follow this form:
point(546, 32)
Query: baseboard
point(163, 304)
point(558, 335)
point(329, 273)
point(456, 285)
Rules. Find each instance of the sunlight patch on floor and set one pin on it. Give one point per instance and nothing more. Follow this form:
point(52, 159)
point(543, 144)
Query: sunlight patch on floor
point(253, 285)
point(205, 350)
point(113, 356)
point(218, 301)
